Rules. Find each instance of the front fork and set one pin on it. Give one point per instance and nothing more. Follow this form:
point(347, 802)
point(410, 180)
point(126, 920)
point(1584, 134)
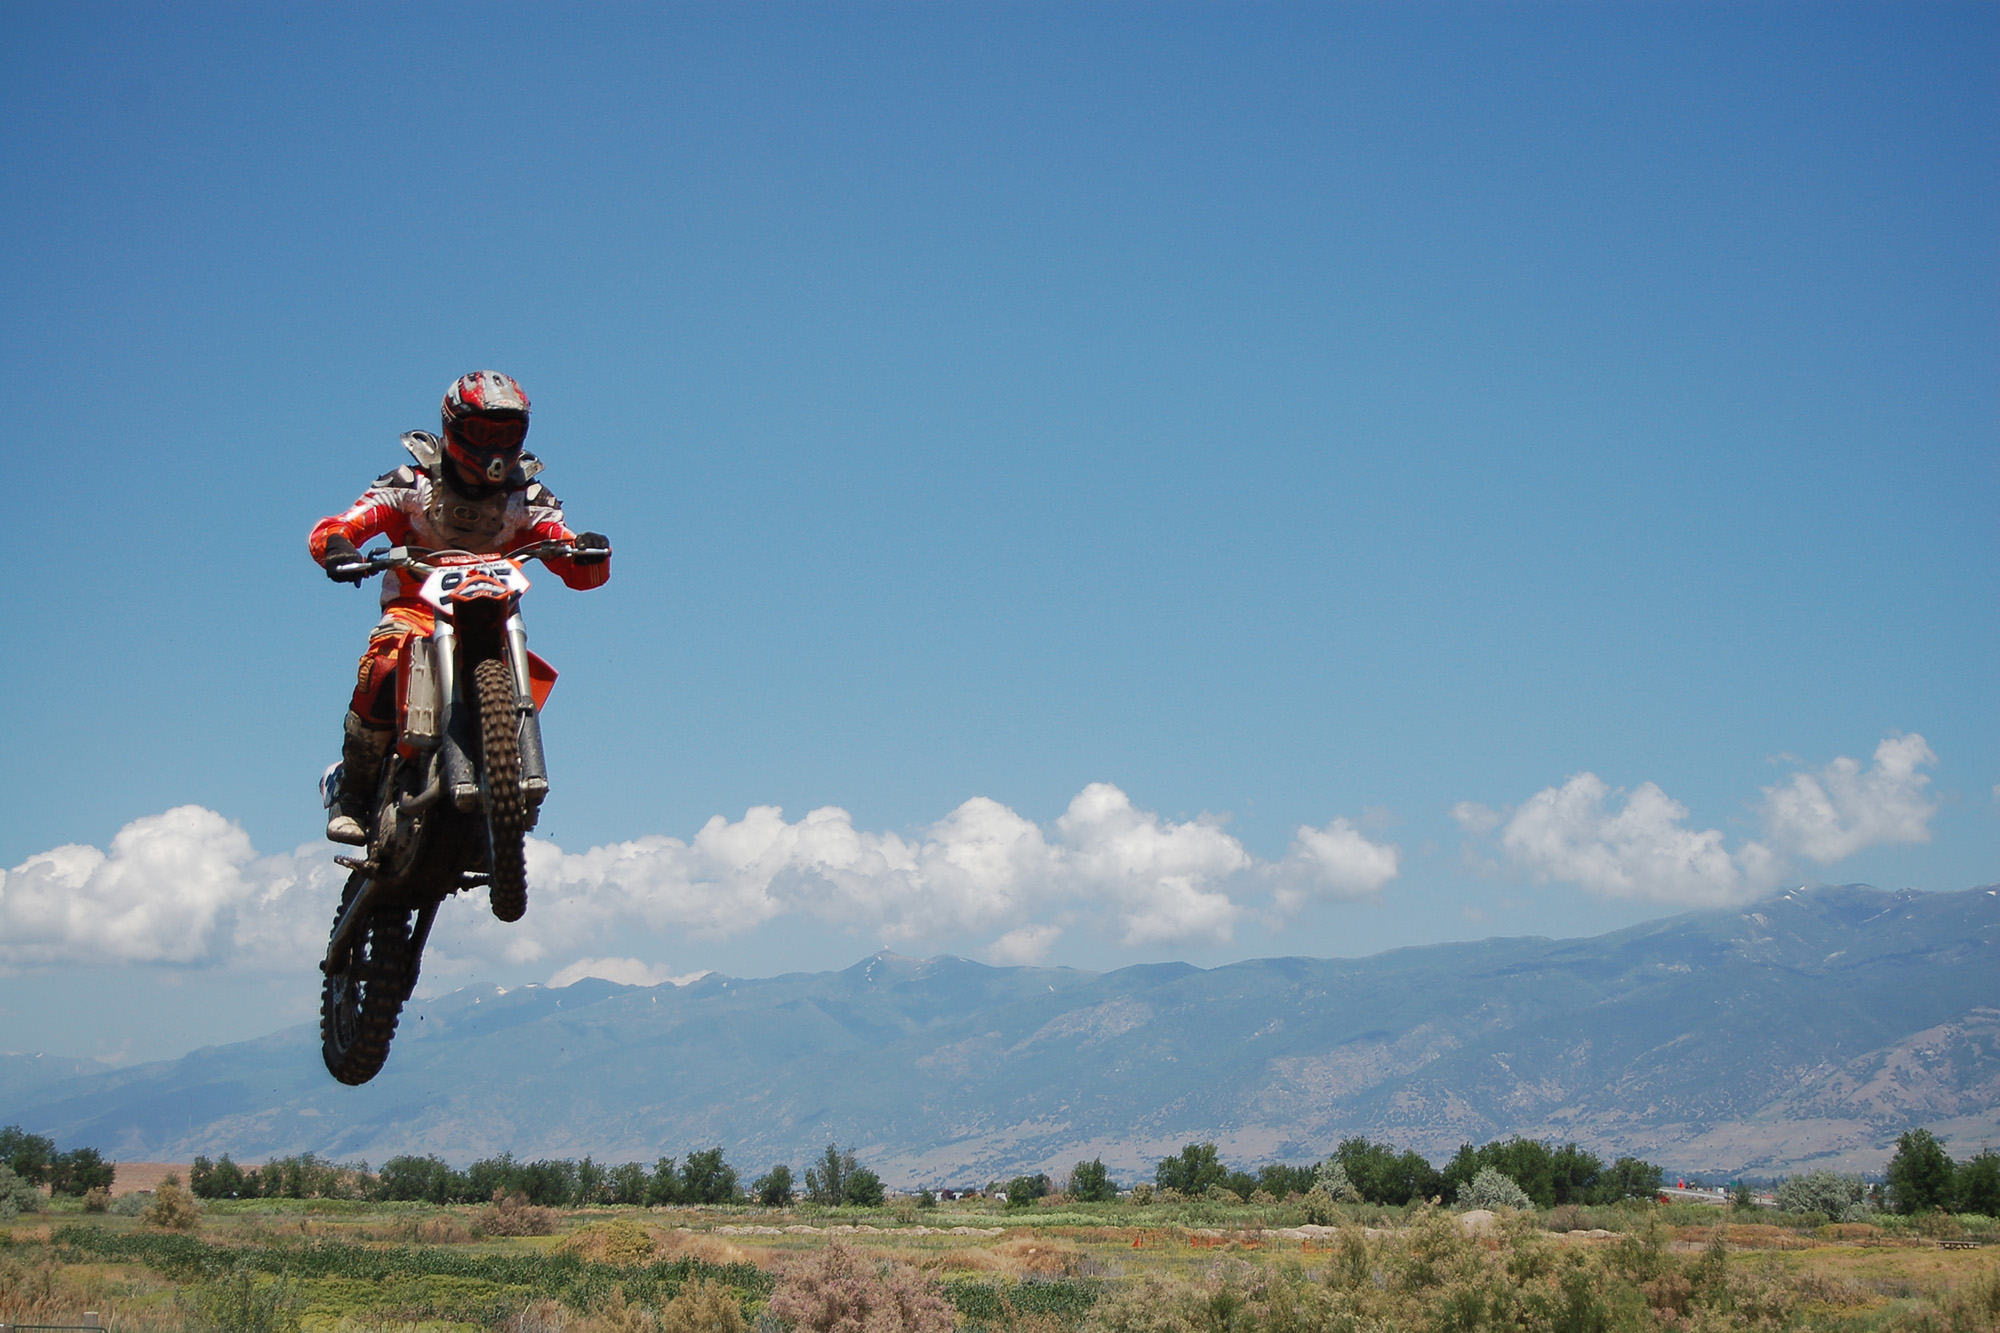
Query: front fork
point(462, 720)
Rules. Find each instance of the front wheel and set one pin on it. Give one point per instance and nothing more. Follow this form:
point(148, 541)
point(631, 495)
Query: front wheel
point(363, 993)
point(506, 807)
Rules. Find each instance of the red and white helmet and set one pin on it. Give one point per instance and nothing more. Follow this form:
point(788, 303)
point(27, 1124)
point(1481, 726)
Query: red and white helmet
point(485, 423)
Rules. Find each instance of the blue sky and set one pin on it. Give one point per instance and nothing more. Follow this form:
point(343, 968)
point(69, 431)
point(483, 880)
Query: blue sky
point(1365, 420)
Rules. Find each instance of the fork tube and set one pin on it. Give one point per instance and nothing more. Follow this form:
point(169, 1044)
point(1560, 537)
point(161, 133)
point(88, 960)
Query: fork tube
point(517, 655)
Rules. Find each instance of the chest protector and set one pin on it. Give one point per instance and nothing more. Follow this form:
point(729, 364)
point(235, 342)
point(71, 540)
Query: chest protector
point(484, 523)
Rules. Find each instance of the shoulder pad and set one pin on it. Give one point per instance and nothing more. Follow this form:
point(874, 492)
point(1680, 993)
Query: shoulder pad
point(401, 478)
point(539, 494)
point(424, 447)
point(528, 468)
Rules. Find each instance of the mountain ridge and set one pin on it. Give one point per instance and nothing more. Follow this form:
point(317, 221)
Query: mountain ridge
point(1805, 1029)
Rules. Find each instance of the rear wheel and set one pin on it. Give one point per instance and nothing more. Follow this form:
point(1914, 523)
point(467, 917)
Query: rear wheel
point(363, 993)
point(506, 808)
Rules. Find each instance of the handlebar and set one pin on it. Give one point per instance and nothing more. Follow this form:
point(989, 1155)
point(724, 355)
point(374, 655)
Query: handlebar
point(413, 557)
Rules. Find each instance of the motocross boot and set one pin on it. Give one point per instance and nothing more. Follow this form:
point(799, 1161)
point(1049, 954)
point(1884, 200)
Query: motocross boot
point(360, 763)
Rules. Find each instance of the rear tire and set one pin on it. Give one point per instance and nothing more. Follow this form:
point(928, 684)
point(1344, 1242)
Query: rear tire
point(362, 995)
point(506, 807)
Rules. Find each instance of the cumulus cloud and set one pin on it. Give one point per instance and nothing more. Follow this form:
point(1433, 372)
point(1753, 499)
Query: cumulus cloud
point(1830, 813)
point(1631, 845)
point(1638, 844)
point(186, 887)
point(172, 888)
point(1334, 862)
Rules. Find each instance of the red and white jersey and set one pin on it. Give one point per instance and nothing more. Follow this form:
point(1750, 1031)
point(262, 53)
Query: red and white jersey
point(413, 506)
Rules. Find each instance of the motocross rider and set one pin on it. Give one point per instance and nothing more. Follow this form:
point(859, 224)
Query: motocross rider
point(472, 489)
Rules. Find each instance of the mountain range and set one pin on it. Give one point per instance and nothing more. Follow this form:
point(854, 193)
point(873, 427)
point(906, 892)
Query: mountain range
point(1805, 1030)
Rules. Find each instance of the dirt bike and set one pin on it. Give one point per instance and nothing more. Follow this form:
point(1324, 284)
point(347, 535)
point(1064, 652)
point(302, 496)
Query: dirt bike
point(455, 797)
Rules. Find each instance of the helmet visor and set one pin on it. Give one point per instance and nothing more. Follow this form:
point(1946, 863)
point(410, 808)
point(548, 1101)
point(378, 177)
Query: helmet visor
point(489, 435)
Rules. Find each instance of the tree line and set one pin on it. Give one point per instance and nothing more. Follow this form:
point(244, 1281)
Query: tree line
point(701, 1177)
point(1371, 1172)
point(33, 1157)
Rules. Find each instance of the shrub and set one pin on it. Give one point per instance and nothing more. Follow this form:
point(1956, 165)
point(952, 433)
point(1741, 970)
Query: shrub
point(1320, 1210)
point(1331, 1177)
point(18, 1195)
point(172, 1208)
point(131, 1205)
point(1142, 1194)
point(837, 1290)
point(96, 1200)
point(1491, 1189)
point(513, 1215)
point(621, 1243)
point(238, 1303)
point(702, 1306)
point(1823, 1192)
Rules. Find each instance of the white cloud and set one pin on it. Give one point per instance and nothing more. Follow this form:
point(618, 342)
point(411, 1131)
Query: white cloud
point(1829, 814)
point(1638, 844)
point(172, 888)
point(1580, 834)
point(1164, 880)
point(1334, 862)
point(186, 887)
point(623, 971)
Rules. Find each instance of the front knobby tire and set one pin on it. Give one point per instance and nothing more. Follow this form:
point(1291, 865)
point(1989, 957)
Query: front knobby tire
point(362, 996)
point(506, 807)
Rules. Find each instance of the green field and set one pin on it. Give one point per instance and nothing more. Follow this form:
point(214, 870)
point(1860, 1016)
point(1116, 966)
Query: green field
point(324, 1265)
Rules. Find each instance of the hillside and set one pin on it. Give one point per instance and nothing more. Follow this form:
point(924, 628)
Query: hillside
point(1806, 1030)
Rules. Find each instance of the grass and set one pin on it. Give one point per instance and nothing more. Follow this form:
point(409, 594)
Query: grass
point(337, 1266)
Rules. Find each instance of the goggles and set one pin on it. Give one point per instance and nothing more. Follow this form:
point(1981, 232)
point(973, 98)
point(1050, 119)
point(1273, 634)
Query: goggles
point(489, 435)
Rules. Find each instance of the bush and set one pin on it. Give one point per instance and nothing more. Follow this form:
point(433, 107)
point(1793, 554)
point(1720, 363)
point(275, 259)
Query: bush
point(1823, 1192)
point(837, 1290)
point(238, 1303)
point(131, 1205)
point(97, 1200)
point(172, 1208)
point(18, 1195)
point(513, 1215)
point(702, 1306)
point(1331, 1177)
point(1320, 1209)
point(1491, 1189)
